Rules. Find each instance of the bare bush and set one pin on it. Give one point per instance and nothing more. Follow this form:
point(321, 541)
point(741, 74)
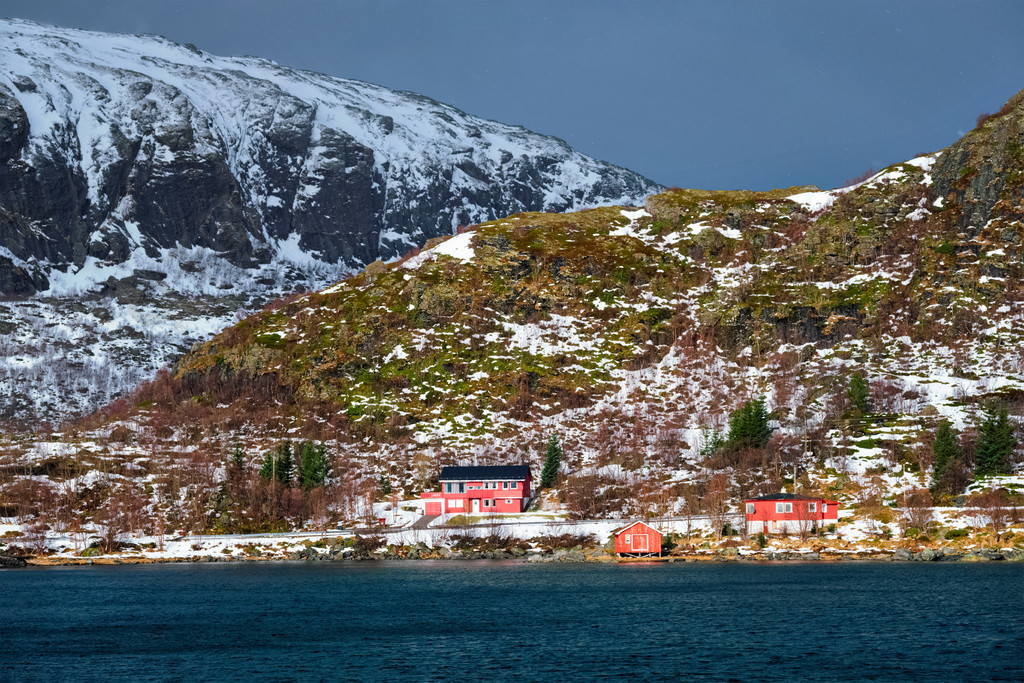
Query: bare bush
point(916, 510)
point(993, 509)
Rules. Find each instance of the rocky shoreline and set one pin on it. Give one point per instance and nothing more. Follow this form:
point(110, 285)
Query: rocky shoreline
point(574, 555)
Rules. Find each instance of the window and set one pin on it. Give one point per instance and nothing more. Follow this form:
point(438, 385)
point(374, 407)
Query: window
point(462, 488)
point(457, 503)
point(824, 508)
point(513, 484)
point(449, 488)
point(508, 501)
point(789, 507)
point(779, 507)
point(812, 507)
point(488, 502)
point(628, 538)
point(504, 484)
point(750, 508)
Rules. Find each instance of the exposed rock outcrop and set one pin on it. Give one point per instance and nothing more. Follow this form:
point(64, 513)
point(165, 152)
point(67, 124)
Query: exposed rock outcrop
point(986, 167)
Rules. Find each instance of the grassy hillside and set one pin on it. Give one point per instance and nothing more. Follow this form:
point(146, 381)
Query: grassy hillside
point(634, 333)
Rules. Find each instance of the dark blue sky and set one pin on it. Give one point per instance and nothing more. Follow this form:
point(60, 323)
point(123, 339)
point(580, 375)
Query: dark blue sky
point(714, 95)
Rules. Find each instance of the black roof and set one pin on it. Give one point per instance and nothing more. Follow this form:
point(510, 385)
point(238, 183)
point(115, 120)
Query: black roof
point(479, 473)
point(784, 496)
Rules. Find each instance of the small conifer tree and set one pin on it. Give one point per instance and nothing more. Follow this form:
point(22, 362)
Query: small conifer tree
point(995, 444)
point(285, 463)
point(552, 461)
point(384, 484)
point(859, 393)
point(267, 468)
point(711, 441)
point(949, 459)
point(237, 460)
point(313, 465)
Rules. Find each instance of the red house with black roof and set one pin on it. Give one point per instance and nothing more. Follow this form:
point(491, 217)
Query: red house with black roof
point(479, 489)
point(789, 513)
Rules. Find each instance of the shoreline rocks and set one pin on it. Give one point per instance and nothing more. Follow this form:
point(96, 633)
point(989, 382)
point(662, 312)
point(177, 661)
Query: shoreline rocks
point(11, 561)
point(578, 554)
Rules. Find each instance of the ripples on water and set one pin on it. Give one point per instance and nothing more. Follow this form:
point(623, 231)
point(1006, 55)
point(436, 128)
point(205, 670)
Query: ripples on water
point(508, 620)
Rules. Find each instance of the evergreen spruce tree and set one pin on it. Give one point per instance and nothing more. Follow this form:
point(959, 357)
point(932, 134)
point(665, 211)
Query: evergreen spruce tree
point(285, 463)
point(947, 457)
point(859, 393)
point(384, 484)
point(237, 460)
point(995, 444)
point(313, 465)
point(267, 468)
point(552, 461)
point(748, 426)
point(711, 441)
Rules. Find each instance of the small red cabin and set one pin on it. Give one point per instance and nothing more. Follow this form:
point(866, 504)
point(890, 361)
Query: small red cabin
point(637, 539)
point(789, 513)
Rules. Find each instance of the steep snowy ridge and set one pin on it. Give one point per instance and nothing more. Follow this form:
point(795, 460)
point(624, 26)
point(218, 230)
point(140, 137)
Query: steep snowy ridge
point(138, 172)
point(110, 108)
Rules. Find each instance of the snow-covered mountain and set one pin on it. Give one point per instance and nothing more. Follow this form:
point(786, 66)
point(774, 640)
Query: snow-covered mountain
point(135, 170)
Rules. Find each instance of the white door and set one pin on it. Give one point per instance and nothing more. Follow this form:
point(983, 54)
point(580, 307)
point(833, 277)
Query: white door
point(476, 505)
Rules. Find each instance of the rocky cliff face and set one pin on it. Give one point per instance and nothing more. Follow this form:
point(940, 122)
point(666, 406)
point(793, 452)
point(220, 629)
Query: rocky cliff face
point(149, 191)
point(982, 174)
point(113, 143)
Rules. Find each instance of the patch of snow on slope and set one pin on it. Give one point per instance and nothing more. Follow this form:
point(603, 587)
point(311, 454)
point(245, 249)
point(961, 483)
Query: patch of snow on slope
point(813, 201)
point(459, 247)
point(629, 230)
point(924, 163)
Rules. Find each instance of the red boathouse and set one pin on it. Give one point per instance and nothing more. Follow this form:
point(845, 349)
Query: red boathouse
point(479, 489)
point(638, 540)
point(789, 513)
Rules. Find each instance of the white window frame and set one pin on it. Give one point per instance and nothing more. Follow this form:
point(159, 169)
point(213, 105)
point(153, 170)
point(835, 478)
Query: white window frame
point(508, 501)
point(780, 507)
point(812, 507)
point(750, 508)
point(824, 508)
point(789, 507)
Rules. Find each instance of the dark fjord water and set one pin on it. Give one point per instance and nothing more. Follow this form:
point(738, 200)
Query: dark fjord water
point(506, 620)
